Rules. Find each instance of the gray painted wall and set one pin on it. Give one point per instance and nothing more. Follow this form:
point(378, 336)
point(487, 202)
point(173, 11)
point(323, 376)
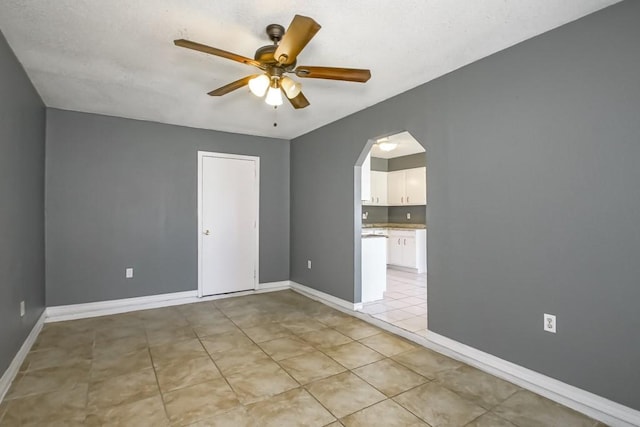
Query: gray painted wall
point(22, 127)
point(378, 164)
point(533, 201)
point(122, 193)
point(398, 163)
point(417, 160)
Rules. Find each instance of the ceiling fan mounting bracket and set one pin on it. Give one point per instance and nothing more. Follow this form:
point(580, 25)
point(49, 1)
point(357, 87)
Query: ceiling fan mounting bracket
point(275, 32)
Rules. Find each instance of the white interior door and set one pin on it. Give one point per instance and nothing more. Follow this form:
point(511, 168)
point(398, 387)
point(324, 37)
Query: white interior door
point(228, 223)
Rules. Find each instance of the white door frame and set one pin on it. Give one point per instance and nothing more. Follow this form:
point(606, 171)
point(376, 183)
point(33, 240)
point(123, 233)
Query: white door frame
point(201, 155)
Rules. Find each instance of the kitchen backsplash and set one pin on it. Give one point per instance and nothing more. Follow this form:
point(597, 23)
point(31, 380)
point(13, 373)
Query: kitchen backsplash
point(398, 214)
point(375, 214)
point(395, 214)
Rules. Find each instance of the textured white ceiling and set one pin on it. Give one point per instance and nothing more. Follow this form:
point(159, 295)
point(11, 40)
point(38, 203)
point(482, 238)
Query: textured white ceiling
point(117, 57)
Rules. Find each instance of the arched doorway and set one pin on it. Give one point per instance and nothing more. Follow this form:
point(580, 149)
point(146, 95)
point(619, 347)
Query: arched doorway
point(393, 240)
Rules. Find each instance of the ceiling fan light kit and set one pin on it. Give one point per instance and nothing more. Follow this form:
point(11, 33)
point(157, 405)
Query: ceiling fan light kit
point(259, 85)
point(291, 88)
point(277, 59)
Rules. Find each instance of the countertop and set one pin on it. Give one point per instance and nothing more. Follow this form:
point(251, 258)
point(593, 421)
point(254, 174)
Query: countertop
point(399, 226)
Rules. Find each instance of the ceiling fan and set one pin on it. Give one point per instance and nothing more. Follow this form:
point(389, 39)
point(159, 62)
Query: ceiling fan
point(276, 61)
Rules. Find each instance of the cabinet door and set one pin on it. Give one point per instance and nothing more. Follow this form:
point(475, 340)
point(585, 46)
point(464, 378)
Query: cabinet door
point(409, 252)
point(416, 186)
point(394, 252)
point(378, 188)
point(366, 179)
point(396, 188)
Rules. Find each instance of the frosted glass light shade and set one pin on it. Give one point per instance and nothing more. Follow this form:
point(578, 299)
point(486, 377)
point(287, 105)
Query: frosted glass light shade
point(387, 146)
point(259, 85)
point(291, 88)
point(274, 96)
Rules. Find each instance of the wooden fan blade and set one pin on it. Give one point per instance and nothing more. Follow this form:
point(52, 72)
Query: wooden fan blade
point(232, 86)
point(300, 101)
point(300, 32)
point(217, 52)
point(332, 73)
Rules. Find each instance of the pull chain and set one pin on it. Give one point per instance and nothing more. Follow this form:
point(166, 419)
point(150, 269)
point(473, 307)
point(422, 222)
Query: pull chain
point(275, 116)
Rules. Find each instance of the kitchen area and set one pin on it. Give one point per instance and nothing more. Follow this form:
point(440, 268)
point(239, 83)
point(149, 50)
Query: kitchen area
point(394, 232)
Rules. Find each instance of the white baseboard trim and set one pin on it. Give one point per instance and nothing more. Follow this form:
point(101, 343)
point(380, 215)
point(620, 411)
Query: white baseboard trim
point(323, 297)
point(592, 405)
point(125, 305)
point(13, 369)
point(274, 286)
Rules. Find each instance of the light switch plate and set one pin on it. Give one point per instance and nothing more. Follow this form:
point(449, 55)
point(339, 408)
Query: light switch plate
point(129, 273)
point(23, 309)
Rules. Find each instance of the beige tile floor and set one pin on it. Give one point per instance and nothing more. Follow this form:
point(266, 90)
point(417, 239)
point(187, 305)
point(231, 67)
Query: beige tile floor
point(276, 359)
point(405, 302)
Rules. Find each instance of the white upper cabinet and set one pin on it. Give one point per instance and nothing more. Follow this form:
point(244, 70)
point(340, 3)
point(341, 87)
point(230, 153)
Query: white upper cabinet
point(378, 188)
point(416, 186)
point(407, 187)
point(366, 179)
point(396, 189)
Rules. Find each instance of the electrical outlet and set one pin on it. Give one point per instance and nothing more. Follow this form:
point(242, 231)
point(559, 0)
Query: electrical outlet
point(550, 323)
point(128, 273)
point(309, 264)
point(408, 215)
point(365, 215)
point(23, 309)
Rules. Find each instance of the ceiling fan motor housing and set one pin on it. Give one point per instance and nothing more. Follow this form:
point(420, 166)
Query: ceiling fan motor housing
point(265, 54)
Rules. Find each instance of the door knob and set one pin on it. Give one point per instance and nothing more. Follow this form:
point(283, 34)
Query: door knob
point(206, 232)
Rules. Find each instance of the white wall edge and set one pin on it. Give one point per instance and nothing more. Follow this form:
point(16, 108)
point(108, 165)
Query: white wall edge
point(323, 297)
point(13, 369)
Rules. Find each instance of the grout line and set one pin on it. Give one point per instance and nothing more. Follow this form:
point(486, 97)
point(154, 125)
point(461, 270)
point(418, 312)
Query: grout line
point(155, 374)
point(281, 367)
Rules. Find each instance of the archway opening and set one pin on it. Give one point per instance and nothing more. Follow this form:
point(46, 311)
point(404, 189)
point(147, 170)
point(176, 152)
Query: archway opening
point(391, 224)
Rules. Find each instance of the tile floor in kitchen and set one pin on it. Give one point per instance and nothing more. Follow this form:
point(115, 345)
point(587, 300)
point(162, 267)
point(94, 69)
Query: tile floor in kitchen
point(272, 359)
point(405, 301)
